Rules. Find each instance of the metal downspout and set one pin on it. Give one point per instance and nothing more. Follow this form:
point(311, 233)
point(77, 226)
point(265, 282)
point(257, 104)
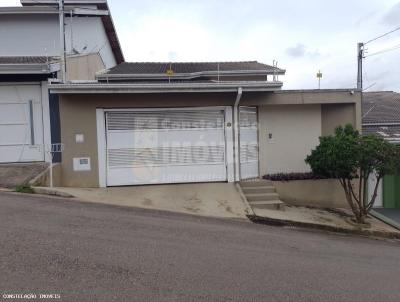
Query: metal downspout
point(236, 134)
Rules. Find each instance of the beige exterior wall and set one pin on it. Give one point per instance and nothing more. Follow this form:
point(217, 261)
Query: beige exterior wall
point(295, 126)
point(334, 115)
point(295, 130)
point(324, 193)
point(78, 116)
point(84, 67)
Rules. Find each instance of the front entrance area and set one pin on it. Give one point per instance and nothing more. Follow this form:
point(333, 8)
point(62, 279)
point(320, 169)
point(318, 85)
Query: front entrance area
point(171, 145)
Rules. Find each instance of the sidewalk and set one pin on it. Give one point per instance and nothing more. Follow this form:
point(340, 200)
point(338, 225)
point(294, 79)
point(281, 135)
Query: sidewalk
point(336, 220)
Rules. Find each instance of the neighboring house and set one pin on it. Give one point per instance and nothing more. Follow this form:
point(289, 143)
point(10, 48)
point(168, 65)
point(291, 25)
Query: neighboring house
point(29, 59)
point(381, 116)
point(152, 123)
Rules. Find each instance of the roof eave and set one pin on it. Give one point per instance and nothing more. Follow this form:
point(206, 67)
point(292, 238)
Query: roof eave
point(161, 88)
point(27, 68)
point(52, 11)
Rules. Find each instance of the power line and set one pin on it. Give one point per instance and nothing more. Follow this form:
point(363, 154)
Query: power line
point(383, 51)
point(384, 35)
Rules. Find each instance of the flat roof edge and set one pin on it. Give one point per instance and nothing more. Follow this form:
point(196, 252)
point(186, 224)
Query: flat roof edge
point(152, 88)
point(319, 90)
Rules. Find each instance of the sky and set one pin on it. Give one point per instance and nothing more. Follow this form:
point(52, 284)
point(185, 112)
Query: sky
point(303, 36)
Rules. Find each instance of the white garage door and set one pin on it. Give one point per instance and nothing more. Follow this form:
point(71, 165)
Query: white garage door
point(21, 126)
point(248, 142)
point(165, 146)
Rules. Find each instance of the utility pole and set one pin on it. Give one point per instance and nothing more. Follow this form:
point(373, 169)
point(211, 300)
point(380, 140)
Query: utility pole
point(360, 57)
point(62, 41)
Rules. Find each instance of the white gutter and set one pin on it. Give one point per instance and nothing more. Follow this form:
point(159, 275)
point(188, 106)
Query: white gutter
point(382, 124)
point(236, 134)
point(162, 87)
point(27, 68)
point(42, 10)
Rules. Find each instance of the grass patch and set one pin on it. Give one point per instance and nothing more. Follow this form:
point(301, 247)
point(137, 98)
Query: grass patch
point(24, 189)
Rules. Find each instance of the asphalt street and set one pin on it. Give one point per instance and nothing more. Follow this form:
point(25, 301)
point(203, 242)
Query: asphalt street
point(89, 252)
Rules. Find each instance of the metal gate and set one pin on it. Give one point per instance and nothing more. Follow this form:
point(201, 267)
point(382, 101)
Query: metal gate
point(165, 146)
point(248, 135)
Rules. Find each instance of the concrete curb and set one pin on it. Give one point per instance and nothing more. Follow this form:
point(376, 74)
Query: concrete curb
point(52, 192)
point(281, 222)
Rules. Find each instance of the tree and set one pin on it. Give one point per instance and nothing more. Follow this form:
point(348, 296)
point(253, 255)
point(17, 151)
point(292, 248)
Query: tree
point(351, 158)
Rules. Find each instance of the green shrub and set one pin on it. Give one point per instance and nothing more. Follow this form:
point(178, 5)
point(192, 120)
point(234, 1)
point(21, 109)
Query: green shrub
point(24, 189)
point(350, 157)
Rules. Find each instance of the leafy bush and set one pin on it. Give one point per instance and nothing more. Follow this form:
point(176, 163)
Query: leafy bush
point(349, 157)
point(292, 176)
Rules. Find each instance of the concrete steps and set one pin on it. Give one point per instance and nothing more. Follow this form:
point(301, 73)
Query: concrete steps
point(261, 194)
point(260, 189)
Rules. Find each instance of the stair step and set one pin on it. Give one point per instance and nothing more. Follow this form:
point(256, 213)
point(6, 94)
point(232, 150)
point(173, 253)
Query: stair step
point(268, 204)
point(261, 189)
point(258, 183)
point(262, 196)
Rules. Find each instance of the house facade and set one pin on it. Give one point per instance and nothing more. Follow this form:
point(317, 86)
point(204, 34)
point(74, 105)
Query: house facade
point(30, 59)
point(158, 123)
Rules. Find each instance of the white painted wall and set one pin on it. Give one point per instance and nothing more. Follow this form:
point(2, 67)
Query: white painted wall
point(38, 35)
point(295, 130)
point(371, 186)
point(89, 32)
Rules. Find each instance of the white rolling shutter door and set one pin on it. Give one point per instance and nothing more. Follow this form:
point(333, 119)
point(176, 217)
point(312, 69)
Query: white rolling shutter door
point(248, 142)
point(166, 146)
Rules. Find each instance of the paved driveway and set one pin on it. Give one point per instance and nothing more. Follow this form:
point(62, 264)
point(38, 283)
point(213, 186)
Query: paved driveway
point(206, 199)
point(90, 252)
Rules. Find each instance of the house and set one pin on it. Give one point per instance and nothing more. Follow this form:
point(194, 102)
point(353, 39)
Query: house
point(381, 116)
point(157, 123)
point(30, 55)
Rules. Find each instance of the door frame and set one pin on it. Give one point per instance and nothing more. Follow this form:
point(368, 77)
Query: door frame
point(102, 136)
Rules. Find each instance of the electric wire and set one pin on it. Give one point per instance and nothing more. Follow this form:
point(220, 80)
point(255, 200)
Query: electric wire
point(384, 35)
point(383, 51)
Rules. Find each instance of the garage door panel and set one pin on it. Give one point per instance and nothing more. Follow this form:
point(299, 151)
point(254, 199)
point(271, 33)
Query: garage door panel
point(21, 123)
point(184, 155)
point(13, 113)
point(14, 134)
point(20, 153)
point(153, 138)
point(164, 174)
point(166, 119)
point(166, 146)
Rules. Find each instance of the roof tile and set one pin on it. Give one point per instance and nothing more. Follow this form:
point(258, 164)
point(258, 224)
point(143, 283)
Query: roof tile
point(381, 107)
point(185, 67)
point(25, 60)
